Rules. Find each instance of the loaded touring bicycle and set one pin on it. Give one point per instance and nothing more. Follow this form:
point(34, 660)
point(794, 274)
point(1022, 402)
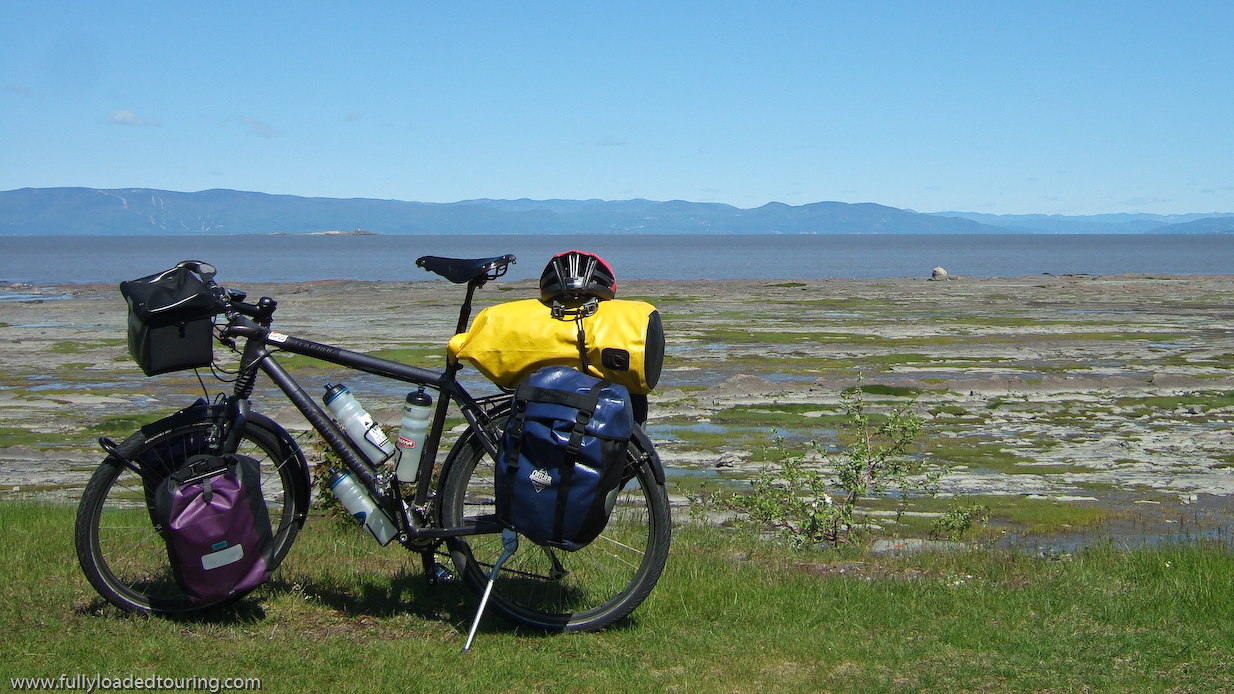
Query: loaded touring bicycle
point(447, 507)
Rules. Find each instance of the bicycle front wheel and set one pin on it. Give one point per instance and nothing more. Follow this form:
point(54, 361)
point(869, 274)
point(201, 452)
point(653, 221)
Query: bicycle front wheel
point(552, 589)
point(121, 553)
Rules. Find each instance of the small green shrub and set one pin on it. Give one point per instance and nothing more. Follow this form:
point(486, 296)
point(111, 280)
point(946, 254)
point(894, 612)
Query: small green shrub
point(958, 519)
point(326, 502)
point(809, 496)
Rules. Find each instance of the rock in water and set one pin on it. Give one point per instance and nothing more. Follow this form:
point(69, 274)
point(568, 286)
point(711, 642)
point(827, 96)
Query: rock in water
point(938, 274)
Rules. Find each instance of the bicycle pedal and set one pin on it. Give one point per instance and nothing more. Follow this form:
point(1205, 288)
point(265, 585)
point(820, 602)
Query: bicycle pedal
point(434, 571)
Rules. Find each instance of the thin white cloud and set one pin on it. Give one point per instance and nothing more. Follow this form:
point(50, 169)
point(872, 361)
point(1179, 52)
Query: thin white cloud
point(22, 90)
point(1138, 201)
point(127, 117)
point(255, 126)
point(610, 141)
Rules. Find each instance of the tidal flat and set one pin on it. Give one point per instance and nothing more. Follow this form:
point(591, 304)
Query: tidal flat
point(1075, 407)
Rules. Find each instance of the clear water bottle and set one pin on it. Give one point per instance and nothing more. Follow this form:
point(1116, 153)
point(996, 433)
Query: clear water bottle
point(360, 427)
point(361, 506)
point(417, 413)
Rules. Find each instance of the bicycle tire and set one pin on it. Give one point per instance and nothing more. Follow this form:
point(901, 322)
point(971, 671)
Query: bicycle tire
point(121, 553)
point(605, 581)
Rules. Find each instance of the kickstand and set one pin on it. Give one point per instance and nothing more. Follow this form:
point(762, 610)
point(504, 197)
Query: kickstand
point(509, 545)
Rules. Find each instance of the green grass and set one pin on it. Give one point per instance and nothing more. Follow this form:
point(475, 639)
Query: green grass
point(734, 336)
point(122, 425)
point(76, 347)
point(1206, 399)
point(1012, 513)
point(731, 613)
point(897, 391)
point(18, 436)
point(67, 347)
point(778, 415)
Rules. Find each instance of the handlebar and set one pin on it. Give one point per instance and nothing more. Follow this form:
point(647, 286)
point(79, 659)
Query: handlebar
point(233, 299)
point(260, 310)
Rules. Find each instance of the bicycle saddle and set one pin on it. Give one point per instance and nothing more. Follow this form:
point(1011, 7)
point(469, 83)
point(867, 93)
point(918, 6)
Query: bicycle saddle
point(460, 270)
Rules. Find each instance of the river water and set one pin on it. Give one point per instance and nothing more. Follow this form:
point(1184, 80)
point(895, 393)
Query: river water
point(282, 258)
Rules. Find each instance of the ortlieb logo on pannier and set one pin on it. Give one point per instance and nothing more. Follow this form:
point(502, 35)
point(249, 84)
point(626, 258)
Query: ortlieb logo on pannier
point(563, 456)
point(214, 520)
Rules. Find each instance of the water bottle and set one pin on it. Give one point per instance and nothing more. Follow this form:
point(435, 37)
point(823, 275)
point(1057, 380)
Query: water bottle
point(361, 506)
point(417, 413)
point(360, 427)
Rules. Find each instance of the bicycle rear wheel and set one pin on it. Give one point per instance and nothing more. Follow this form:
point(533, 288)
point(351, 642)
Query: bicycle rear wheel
point(552, 589)
point(121, 553)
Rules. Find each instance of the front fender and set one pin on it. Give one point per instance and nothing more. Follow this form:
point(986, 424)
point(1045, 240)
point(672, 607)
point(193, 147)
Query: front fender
point(291, 455)
point(201, 411)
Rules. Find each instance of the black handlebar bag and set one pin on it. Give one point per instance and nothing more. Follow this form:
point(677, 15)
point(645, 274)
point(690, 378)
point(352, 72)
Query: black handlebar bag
point(170, 326)
point(563, 456)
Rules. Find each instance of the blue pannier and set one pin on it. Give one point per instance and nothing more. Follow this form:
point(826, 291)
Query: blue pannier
point(563, 457)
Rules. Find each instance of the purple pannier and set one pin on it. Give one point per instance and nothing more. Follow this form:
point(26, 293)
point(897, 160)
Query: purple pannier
point(213, 517)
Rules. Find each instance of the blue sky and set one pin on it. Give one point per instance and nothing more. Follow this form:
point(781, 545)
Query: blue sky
point(1000, 107)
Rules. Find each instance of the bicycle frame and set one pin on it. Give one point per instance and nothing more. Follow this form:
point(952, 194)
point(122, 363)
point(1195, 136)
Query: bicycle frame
point(257, 355)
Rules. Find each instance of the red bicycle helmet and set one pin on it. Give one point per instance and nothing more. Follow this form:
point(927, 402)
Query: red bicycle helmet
point(574, 278)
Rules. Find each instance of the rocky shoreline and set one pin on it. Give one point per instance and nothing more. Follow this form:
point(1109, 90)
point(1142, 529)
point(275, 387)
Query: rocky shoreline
point(1115, 389)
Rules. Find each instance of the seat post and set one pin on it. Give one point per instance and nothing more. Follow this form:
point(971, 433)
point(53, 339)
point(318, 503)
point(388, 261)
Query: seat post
point(464, 313)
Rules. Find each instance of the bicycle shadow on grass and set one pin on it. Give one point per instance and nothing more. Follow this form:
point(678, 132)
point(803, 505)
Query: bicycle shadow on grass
point(245, 611)
point(404, 594)
point(449, 604)
point(409, 594)
point(347, 607)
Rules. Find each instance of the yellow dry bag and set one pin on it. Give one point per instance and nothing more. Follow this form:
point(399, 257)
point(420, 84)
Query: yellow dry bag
point(623, 343)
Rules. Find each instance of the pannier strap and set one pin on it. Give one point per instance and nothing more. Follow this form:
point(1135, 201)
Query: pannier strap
point(579, 401)
point(571, 457)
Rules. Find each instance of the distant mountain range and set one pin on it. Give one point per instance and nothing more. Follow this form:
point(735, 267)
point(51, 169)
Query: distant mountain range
point(141, 211)
point(1211, 223)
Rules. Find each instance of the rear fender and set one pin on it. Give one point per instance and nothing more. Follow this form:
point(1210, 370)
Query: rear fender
point(657, 468)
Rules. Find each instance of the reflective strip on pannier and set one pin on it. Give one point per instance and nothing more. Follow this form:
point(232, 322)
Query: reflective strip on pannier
point(508, 342)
